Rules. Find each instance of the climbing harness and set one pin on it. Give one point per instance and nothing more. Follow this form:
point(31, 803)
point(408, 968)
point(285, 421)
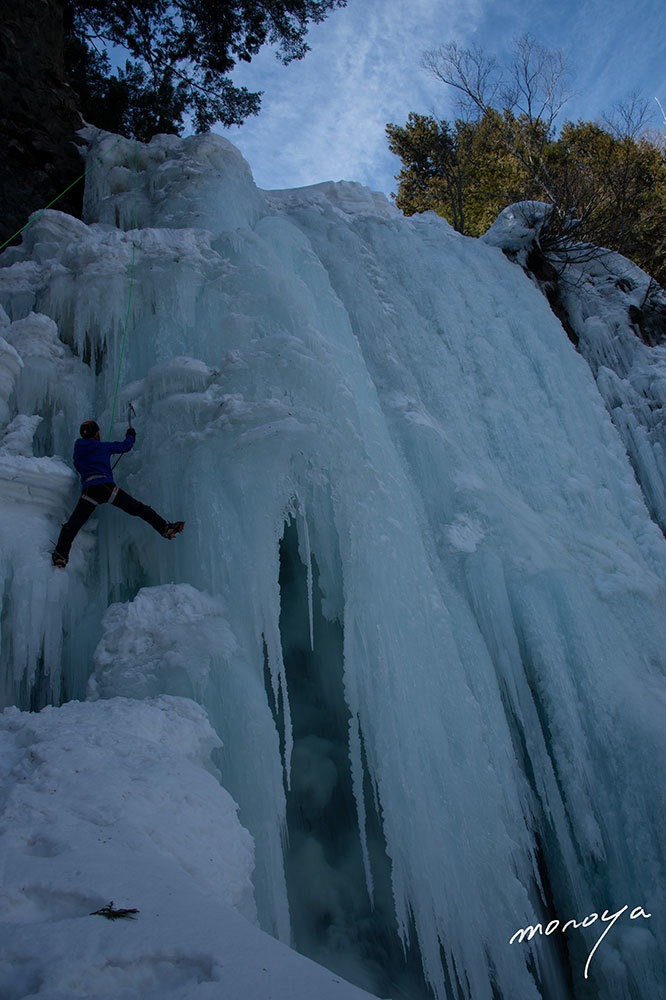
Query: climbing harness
point(112, 496)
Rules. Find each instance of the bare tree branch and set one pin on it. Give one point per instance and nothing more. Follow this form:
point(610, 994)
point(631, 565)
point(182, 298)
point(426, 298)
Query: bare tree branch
point(524, 98)
point(629, 118)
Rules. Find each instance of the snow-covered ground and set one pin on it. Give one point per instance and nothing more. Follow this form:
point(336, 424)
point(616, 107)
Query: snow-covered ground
point(117, 802)
point(419, 596)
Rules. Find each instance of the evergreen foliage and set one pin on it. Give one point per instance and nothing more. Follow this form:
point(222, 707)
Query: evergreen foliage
point(458, 170)
point(181, 53)
point(607, 183)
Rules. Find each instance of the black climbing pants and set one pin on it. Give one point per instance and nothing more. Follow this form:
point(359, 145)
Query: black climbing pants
point(104, 493)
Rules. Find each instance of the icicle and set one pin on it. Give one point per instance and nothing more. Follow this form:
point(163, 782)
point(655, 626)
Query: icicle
point(279, 678)
point(288, 732)
point(355, 747)
point(306, 557)
point(356, 761)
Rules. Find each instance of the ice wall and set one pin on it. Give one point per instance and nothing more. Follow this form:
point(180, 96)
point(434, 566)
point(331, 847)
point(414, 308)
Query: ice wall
point(617, 313)
point(467, 521)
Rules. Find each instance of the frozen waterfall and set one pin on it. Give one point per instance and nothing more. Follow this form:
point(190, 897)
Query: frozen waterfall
point(419, 595)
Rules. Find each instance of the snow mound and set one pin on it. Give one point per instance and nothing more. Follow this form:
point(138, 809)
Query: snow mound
point(518, 226)
point(166, 640)
point(114, 801)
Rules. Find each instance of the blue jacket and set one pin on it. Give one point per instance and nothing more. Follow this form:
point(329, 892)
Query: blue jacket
point(92, 458)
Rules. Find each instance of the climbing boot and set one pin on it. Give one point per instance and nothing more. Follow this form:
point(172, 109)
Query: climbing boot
point(173, 528)
point(58, 560)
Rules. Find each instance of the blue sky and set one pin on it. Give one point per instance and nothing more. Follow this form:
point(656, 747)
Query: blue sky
point(323, 118)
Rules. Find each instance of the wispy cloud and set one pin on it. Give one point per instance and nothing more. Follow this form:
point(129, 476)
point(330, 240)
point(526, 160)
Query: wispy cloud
point(616, 48)
point(323, 118)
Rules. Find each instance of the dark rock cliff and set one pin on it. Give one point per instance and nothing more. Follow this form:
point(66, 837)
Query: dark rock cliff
point(38, 114)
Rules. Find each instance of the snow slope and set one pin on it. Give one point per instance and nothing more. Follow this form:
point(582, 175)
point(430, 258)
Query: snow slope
point(116, 802)
point(419, 595)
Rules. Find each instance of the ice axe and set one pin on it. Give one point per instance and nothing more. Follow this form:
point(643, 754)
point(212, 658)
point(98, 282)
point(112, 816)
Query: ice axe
point(130, 413)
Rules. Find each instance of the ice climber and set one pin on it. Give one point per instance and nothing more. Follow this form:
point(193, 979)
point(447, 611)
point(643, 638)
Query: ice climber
point(92, 461)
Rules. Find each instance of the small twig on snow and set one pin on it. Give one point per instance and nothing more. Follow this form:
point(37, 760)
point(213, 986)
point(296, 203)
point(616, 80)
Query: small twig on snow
point(110, 913)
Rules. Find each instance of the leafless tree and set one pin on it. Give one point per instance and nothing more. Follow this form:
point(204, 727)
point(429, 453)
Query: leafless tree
point(629, 118)
point(536, 84)
point(524, 98)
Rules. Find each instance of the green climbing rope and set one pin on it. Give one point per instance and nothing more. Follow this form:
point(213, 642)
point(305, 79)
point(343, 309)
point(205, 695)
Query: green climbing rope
point(98, 159)
point(37, 215)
